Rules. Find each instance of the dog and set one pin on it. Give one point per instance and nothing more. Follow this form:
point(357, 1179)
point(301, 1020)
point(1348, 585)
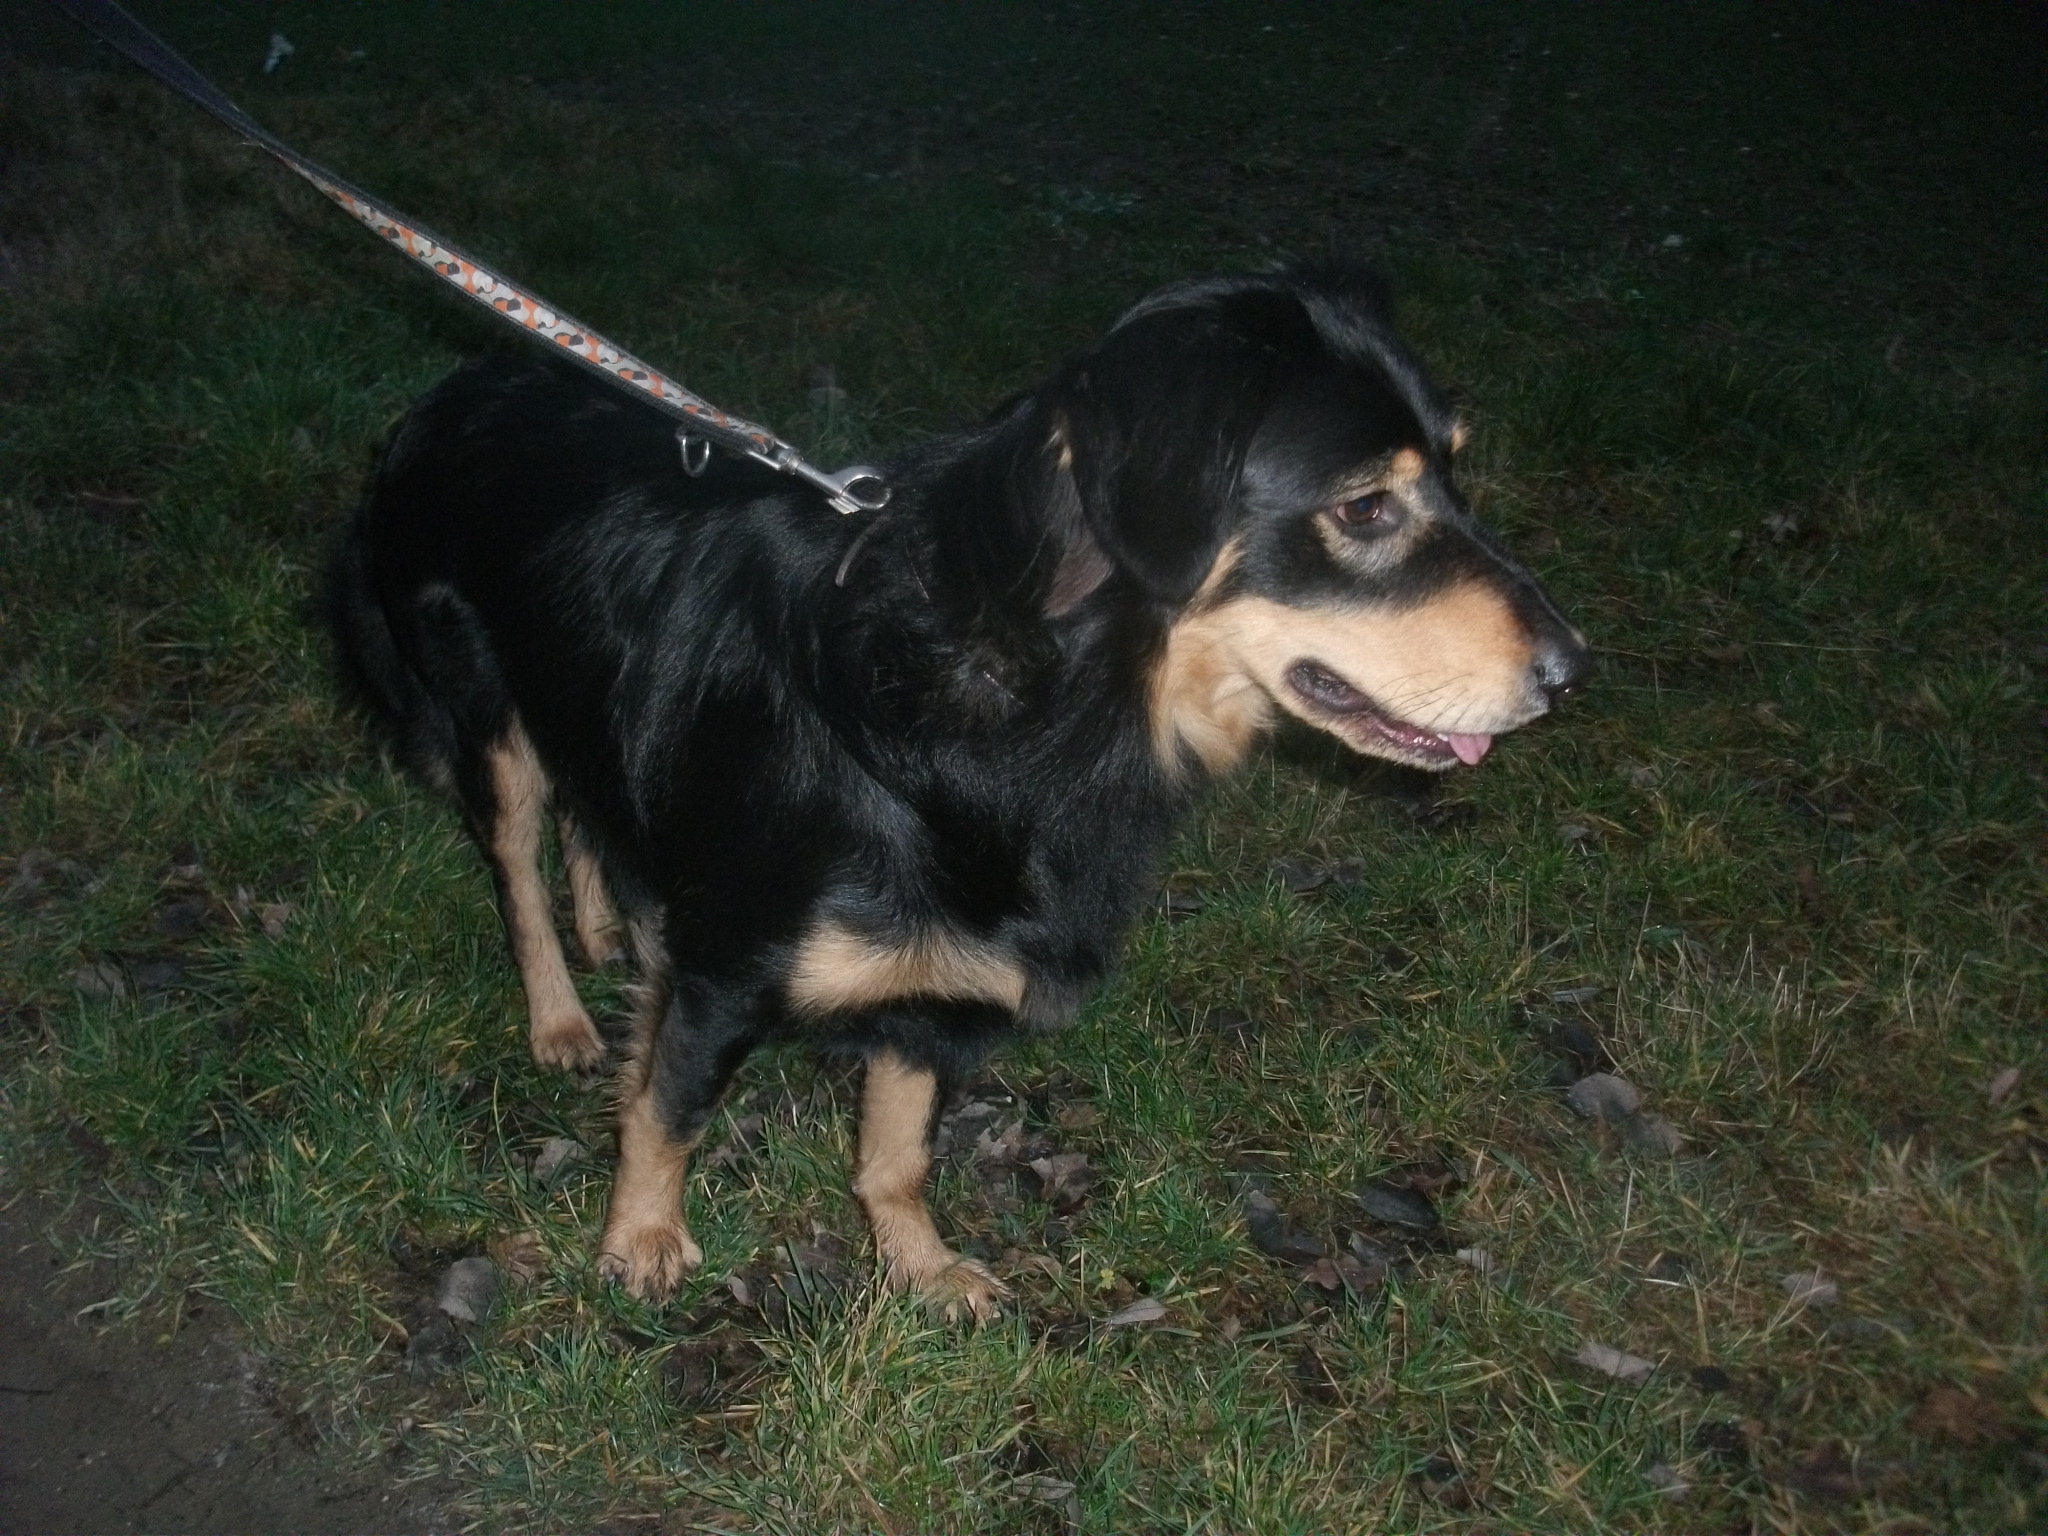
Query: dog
point(900, 782)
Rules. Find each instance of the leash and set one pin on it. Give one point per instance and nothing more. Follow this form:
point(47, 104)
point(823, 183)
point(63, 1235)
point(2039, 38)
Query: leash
point(857, 488)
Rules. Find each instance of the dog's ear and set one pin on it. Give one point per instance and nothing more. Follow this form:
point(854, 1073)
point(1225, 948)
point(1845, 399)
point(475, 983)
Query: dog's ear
point(1151, 430)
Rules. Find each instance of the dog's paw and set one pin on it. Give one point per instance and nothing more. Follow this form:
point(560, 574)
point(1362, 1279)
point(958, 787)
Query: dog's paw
point(963, 1290)
point(650, 1261)
point(568, 1042)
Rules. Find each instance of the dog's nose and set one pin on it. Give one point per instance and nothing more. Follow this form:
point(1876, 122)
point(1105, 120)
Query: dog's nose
point(1561, 662)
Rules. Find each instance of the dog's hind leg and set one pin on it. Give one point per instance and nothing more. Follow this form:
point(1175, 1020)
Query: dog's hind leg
point(597, 921)
point(899, 1104)
point(559, 1031)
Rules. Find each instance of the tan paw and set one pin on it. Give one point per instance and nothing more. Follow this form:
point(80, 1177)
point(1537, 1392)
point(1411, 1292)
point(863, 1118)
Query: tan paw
point(649, 1261)
point(963, 1289)
point(568, 1042)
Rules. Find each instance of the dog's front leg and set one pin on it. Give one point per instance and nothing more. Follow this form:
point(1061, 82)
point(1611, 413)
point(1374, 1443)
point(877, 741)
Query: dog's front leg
point(669, 1090)
point(899, 1104)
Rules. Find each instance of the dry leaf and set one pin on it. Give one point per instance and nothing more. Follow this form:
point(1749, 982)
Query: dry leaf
point(1146, 1309)
point(1612, 1362)
point(2002, 1085)
point(1810, 1287)
point(519, 1255)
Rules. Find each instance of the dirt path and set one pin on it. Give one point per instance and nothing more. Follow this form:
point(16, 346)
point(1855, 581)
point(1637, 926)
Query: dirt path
point(107, 1427)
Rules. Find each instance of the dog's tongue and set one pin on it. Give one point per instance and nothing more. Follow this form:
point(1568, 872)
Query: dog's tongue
point(1469, 748)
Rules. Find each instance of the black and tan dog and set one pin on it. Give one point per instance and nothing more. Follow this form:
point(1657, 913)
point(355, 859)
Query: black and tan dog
point(900, 783)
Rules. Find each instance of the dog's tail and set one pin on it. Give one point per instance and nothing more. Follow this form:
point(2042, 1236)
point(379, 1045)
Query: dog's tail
point(374, 671)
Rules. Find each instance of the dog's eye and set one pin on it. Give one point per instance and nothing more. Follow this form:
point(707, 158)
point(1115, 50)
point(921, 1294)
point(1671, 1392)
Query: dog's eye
point(1374, 512)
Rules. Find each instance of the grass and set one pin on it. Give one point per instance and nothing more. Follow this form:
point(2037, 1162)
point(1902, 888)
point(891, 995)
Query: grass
point(1792, 834)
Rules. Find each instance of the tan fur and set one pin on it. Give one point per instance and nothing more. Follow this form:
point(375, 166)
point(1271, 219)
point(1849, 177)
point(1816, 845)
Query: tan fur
point(1407, 466)
point(896, 1112)
point(598, 929)
point(1457, 662)
point(647, 1246)
point(559, 1032)
point(1461, 434)
point(1201, 699)
point(836, 968)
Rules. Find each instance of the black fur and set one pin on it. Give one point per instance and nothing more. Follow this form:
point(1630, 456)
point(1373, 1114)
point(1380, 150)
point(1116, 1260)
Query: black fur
point(957, 738)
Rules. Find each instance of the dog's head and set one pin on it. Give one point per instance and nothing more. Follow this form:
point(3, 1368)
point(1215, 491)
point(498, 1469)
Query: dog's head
point(1270, 465)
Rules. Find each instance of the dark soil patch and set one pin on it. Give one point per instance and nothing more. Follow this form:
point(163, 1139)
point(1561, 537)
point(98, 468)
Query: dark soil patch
point(160, 1426)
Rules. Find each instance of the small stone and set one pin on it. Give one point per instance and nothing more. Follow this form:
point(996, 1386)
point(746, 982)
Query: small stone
point(1477, 1259)
point(1604, 1096)
point(468, 1288)
point(101, 980)
point(557, 1155)
point(1300, 876)
point(1665, 1479)
point(1673, 242)
point(1810, 1288)
point(1609, 1361)
point(1397, 1207)
point(1652, 1133)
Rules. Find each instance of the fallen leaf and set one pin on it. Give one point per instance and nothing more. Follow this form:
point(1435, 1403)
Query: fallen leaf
point(1810, 1287)
point(998, 1145)
point(1064, 1179)
point(739, 1144)
point(1608, 1361)
point(1397, 1207)
point(1576, 994)
point(1146, 1309)
point(1274, 1232)
point(273, 916)
point(1323, 1275)
point(519, 1254)
point(1078, 1117)
point(2002, 1085)
point(468, 1288)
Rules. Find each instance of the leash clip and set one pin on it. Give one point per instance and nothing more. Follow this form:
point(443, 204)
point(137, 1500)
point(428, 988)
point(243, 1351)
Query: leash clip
point(856, 488)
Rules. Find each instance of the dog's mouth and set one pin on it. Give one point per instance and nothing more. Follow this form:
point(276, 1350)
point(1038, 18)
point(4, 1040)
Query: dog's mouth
point(1370, 729)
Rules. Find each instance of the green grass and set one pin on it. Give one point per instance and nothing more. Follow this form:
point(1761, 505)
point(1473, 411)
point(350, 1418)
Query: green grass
point(1788, 477)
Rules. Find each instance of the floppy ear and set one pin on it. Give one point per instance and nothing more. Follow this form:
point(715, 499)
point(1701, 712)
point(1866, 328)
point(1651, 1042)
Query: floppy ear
point(1153, 427)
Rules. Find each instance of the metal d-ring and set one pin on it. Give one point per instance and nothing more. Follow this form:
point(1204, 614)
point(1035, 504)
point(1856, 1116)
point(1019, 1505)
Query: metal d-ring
point(696, 453)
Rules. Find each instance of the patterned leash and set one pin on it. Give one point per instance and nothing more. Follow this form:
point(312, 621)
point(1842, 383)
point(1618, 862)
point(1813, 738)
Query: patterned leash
point(854, 489)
